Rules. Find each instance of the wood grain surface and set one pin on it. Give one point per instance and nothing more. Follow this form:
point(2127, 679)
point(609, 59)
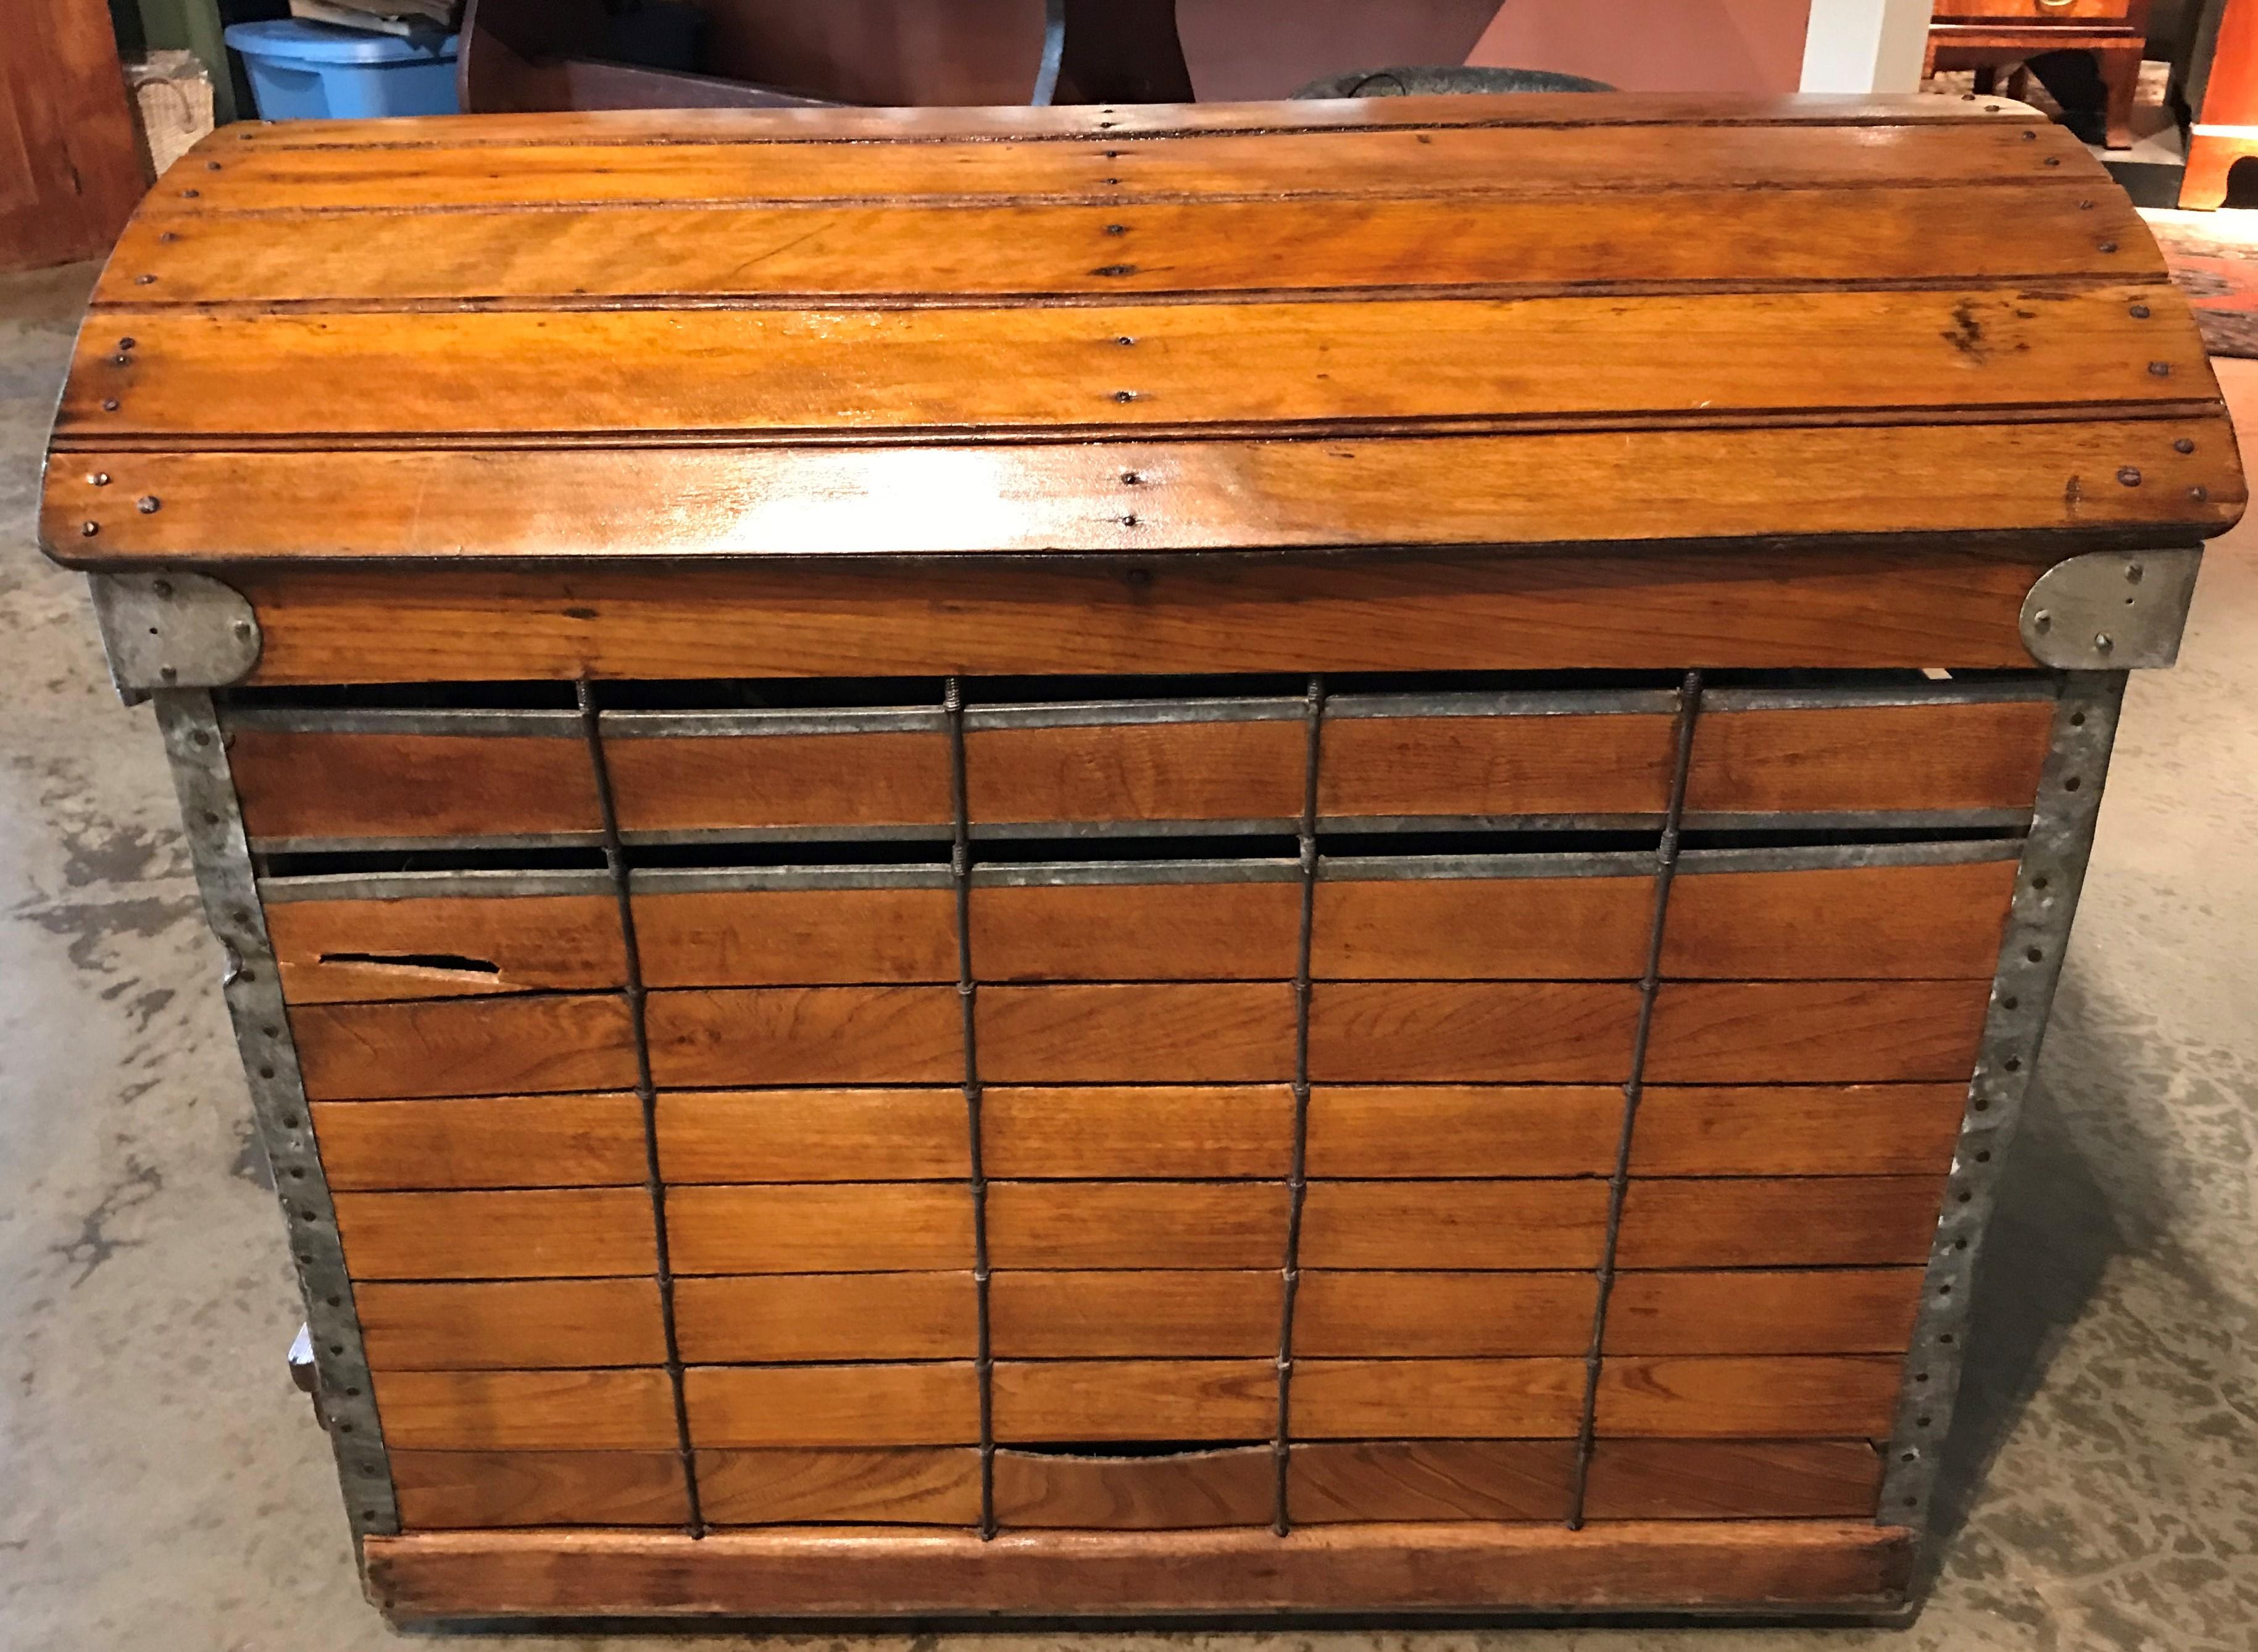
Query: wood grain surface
point(1981, 756)
point(527, 1410)
point(1816, 1395)
point(1182, 771)
point(510, 1324)
point(811, 1034)
point(931, 1403)
point(1140, 932)
point(525, 1234)
point(814, 1317)
point(339, 951)
point(1732, 1479)
point(827, 1228)
point(1444, 1129)
point(1337, 1482)
point(1186, 1131)
point(795, 937)
point(1142, 1033)
point(710, 782)
point(1193, 1489)
point(814, 1135)
point(1785, 1129)
point(1815, 1032)
point(1455, 1224)
point(1396, 1032)
point(1075, 1225)
point(1069, 1400)
point(464, 1046)
point(1795, 1222)
point(316, 784)
point(442, 1490)
point(1481, 928)
point(912, 1486)
point(1916, 922)
point(1135, 1313)
point(536, 1141)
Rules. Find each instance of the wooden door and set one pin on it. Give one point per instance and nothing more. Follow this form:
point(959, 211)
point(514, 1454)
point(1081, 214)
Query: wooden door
point(69, 168)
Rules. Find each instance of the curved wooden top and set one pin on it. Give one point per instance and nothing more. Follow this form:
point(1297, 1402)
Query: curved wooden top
point(1398, 322)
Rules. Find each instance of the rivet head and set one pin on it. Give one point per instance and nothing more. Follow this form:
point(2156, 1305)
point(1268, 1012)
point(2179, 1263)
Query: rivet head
point(2130, 476)
point(127, 344)
point(147, 505)
point(161, 587)
point(2028, 135)
point(143, 280)
point(87, 529)
point(2132, 572)
point(1132, 477)
point(2054, 160)
point(168, 237)
point(2102, 641)
point(121, 360)
point(2139, 312)
point(2085, 206)
point(1124, 395)
point(190, 195)
point(168, 673)
point(100, 479)
point(2198, 492)
point(2104, 246)
point(2184, 445)
point(1125, 339)
point(211, 166)
point(2043, 620)
point(2161, 369)
point(109, 404)
point(1117, 229)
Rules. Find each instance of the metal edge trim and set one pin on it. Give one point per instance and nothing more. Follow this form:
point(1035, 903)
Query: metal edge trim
point(1527, 702)
point(1080, 714)
point(1060, 873)
point(379, 720)
point(1837, 857)
point(657, 881)
point(1419, 868)
point(2013, 691)
point(753, 723)
point(480, 884)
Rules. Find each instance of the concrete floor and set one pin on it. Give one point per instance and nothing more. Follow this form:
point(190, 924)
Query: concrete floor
point(162, 1485)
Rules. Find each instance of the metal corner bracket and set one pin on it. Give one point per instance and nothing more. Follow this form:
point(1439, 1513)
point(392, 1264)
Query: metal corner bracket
point(171, 630)
point(2110, 610)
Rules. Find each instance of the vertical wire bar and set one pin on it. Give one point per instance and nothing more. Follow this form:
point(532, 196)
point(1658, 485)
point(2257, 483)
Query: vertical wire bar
point(960, 862)
point(1297, 1177)
point(646, 1092)
point(1666, 873)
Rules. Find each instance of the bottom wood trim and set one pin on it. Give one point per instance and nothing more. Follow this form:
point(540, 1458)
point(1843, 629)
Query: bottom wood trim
point(857, 1571)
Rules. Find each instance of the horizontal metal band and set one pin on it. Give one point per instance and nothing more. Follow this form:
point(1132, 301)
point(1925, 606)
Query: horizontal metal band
point(1637, 863)
point(1121, 828)
point(658, 880)
point(748, 724)
point(519, 724)
point(690, 836)
point(457, 845)
point(1540, 702)
point(424, 885)
point(1042, 875)
point(1124, 713)
point(2005, 691)
point(1853, 820)
point(1817, 857)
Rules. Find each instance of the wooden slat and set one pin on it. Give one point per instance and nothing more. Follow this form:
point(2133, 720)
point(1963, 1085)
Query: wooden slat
point(1222, 494)
point(1161, 1033)
point(1464, 1130)
point(1437, 1399)
point(1148, 1313)
point(517, 1324)
point(1136, 1494)
point(1917, 922)
point(1455, 1224)
point(1744, 1311)
point(1814, 1032)
point(526, 1410)
point(314, 785)
point(839, 1228)
point(538, 1141)
point(805, 1034)
point(796, 937)
point(530, 1233)
point(1137, 1224)
point(1982, 756)
point(1732, 1479)
point(1440, 1315)
point(470, 1046)
point(1486, 929)
point(824, 1571)
point(827, 1316)
point(909, 1486)
point(1821, 1396)
point(1796, 1221)
point(684, 783)
point(1890, 605)
point(1337, 1482)
point(1074, 1400)
point(1193, 1132)
point(1392, 1032)
point(1863, 1129)
point(442, 1490)
point(334, 951)
point(935, 1403)
point(1130, 771)
point(202, 375)
point(813, 1135)
point(1568, 765)
point(1138, 932)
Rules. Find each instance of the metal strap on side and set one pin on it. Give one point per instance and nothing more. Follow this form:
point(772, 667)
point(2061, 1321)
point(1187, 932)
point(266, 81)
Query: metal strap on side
point(960, 862)
point(647, 1093)
point(1666, 869)
point(254, 990)
point(1297, 1176)
point(2047, 886)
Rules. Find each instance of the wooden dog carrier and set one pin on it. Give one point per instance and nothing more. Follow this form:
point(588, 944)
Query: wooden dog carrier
point(1269, 858)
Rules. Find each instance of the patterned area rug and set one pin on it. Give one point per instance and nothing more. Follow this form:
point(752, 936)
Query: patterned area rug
point(2214, 258)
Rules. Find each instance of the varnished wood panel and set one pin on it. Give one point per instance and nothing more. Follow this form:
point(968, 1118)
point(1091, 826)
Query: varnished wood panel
point(514, 1324)
point(438, 1490)
point(1148, 1313)
point(908, 1485)
point(1746, 1311)
point(1428, 1315)
point(683, 782)
point(1155, 1033)
point(805, 1034)
point(1821, 1396)
point(1136, 771)
point(1137, 1224)
point(334, 951)
point(1188, 1131)
point(793, 1317)
point(1919, 923)
point(1464, 1130)
point(1732, 1479)
point(1136, 1494)
point(1455, 1224)
point(537, 1141)
point(527, 1233)
point(936, 1403)
point(1138, 932)
point(1394, 1032)
point(316, 785)
point(835, 1228)
point(1569, 765)
point(469, 1046)
point(814, 1135)
point(1984, 756)
point(1437, 1399)
point(1073, 1401)
point(1796, 1221)
point(526, 1410)
point(1481, 928)
point(1815, 1032)
point(1337, 1482)
point(795, 937)
point(825, 1572)
point(1862, 1130)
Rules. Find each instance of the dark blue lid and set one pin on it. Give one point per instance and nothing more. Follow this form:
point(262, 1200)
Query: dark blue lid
point(296, 38)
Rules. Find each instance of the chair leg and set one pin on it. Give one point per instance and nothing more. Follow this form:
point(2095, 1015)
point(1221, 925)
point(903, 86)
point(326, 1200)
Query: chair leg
point(2120, 75)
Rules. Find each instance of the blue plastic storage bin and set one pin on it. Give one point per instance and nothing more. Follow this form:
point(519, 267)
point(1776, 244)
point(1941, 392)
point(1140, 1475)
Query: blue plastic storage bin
point(311, 71)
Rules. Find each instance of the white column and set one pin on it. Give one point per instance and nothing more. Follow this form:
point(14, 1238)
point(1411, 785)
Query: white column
point(1865, 45)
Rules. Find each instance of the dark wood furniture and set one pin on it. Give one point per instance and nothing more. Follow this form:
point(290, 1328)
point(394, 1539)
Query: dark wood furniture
point(1988, 35)
point(2225, 128)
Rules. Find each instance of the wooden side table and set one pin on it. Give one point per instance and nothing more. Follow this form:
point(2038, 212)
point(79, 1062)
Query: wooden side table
point(2225, 128)
point(1987, 35)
